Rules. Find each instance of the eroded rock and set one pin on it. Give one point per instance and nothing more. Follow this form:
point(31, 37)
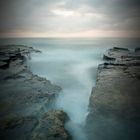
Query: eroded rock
point(51, 127)
point(28, 97)
point(114, 109)
point(17, 128)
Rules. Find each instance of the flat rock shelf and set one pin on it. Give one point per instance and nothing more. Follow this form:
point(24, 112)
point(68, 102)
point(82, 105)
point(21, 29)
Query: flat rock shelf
point(25, 100)
point(114, 108)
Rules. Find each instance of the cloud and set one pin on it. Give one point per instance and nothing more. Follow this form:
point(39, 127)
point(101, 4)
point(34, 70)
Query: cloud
point(68, 17)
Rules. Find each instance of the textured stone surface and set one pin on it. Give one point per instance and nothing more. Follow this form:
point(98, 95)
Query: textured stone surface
point(51, 127)
point(24, 97)
point(17, 128)
point(114, 109)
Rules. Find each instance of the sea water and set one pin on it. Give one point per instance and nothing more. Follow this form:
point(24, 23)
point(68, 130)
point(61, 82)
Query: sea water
point(71, 64)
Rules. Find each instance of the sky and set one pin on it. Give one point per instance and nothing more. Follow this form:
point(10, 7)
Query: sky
point(69, 18)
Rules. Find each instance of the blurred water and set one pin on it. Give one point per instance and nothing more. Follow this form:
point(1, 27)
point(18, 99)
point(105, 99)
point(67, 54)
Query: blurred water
point(74, 69)
point(71, 64)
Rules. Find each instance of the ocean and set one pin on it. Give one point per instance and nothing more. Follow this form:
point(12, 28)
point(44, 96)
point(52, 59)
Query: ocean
point(71, 63)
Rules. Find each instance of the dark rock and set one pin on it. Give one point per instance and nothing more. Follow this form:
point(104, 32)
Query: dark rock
point(3, 65)
point(137, 49)
point(24, 94)
point(51, 127)
point(114, 109)
point(4, 58)
point(106, 57)
point(121, 49)
point(17, 128)
point(115, 54)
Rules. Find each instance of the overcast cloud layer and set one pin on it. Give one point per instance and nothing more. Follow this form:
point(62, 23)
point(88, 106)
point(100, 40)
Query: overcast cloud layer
point(70, 18)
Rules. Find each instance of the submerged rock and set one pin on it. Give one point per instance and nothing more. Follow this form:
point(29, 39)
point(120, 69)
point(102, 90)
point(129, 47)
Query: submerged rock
point(114, 108)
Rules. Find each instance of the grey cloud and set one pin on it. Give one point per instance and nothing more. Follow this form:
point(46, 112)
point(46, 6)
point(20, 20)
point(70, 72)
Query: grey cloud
point(36, 15)
point(120, 14)
point(21, 14)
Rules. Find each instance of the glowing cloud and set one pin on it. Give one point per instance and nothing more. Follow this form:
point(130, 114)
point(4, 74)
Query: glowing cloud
point(63, 12)
point(86, 18)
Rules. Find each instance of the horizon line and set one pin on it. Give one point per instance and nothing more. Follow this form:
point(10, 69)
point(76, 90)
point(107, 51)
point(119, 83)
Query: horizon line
point(68, 37)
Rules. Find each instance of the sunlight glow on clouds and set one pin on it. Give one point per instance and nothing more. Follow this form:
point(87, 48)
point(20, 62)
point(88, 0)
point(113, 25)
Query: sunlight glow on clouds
point(63, 12)
point(67, 18)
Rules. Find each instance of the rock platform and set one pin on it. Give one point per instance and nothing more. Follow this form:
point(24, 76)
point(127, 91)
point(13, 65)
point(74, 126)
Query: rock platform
point(114, 108)
point(26, 100)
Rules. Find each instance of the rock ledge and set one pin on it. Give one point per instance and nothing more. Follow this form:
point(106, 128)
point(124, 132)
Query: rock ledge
point(114, 108)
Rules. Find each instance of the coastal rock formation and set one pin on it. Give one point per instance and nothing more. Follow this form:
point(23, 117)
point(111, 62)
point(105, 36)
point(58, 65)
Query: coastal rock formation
point(115, 53)
point(51, 127)
point(114, 108)
point(17, 128)
point(25, 97)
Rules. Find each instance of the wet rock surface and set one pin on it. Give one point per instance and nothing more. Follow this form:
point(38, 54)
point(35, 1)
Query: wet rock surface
point(114, 108)
point(25, 98)
point(17, 128)
point(51, 127)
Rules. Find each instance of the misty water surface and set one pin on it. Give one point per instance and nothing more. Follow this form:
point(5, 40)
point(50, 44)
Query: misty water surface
point(71, 64)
